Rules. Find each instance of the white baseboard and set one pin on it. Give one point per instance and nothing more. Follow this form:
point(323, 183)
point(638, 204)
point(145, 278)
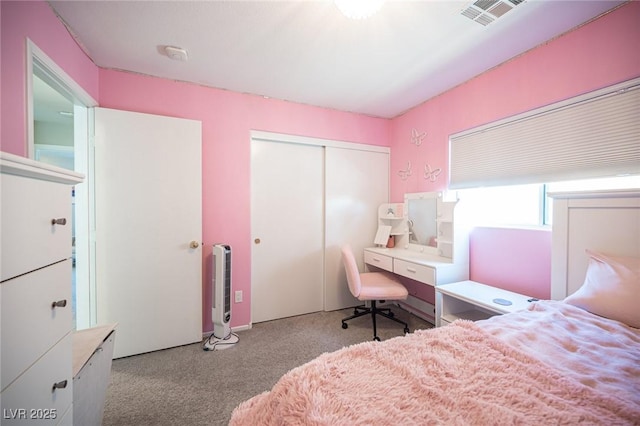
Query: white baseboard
point(418, 307)
point(206, 334)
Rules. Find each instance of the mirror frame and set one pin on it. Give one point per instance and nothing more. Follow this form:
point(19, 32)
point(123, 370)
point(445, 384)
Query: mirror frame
point(419, 196)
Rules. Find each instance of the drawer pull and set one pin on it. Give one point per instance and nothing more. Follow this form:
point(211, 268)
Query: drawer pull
point(59, 385)
point(61, 221)
point(413, 271)
point(59, 304)
point(375, 259)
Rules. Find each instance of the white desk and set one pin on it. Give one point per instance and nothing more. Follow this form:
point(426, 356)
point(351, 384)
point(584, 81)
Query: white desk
point(424, 268)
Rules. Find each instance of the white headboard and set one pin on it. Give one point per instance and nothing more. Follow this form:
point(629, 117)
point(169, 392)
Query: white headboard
point(604, 221)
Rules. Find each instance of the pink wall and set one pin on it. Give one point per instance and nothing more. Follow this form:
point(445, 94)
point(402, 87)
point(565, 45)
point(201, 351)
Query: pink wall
point(36, 21)
point(227, 119)
point(510, 258)
point(596, 55)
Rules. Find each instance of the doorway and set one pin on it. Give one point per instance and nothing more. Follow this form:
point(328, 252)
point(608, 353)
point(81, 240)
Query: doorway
point(57, 134)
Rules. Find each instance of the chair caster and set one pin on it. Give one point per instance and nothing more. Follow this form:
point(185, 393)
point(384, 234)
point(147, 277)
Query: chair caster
point(406, 330)
point(376, 338)
point(344, 325)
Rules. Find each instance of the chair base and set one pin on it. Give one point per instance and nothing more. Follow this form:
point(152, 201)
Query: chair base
point(359, 311)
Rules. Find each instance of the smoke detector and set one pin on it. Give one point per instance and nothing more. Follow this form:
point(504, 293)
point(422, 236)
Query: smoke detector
point(485, 12)
point(176, 53)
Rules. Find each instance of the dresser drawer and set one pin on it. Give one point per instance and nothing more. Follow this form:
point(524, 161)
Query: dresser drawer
point(33, 394)
point(28, 239)
point(415, 271)
point(378, 260)
point(29, 324)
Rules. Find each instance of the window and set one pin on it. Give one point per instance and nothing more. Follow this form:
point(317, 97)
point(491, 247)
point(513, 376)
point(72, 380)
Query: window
point(590, 136)
point(514, 205)
point(587, 137)
point(529, 205)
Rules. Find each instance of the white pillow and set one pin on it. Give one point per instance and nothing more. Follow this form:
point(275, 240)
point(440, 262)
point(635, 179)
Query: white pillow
point(611, 288)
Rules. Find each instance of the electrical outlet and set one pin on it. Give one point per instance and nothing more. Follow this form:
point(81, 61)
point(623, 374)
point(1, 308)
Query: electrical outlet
point(238, 296)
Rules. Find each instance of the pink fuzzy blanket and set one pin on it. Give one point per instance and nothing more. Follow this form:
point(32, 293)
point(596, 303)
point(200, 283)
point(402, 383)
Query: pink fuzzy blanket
point(452, 375)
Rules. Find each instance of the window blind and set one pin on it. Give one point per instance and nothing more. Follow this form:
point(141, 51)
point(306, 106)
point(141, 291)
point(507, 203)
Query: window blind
point(594, 135)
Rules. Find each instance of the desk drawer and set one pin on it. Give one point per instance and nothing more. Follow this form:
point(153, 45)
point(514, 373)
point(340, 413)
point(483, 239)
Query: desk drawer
point(417, 272)
point(378, 260)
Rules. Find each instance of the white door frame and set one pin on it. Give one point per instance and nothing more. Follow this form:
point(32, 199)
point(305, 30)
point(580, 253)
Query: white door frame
point(57, 78)
point(306, 140)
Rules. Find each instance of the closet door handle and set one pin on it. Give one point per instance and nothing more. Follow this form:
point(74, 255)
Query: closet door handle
point(61, 221)
point(59, 304)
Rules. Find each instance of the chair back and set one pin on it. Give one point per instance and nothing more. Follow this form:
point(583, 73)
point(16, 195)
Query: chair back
point(351, 267)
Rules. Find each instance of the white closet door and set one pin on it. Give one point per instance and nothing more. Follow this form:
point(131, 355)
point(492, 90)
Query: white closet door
point(148, 203)
point(287, 229)
point(357, 182)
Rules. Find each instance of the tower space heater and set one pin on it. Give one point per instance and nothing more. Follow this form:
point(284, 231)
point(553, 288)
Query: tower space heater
point(222, 337)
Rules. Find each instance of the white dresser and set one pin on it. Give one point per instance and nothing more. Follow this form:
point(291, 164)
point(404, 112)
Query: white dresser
point(35, 292)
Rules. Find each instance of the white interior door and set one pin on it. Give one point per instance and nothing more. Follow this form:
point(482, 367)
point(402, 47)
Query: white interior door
point(287, 229)
point(148, 208)
point(357, 182)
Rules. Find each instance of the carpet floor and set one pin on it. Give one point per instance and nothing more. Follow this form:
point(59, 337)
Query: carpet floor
point(189, 386)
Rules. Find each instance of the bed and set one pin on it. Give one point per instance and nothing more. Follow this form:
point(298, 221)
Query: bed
point(566, 361)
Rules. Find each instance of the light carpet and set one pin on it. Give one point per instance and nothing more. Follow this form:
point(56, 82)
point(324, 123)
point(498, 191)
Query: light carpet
point(188, 386)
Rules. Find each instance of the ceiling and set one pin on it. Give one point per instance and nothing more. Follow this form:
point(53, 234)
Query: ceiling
point(308, 52)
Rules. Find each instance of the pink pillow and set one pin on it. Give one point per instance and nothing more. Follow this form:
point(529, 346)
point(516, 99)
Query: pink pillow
point(611, 288)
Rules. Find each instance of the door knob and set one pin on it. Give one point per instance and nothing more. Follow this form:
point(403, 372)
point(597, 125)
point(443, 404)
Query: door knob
point(257, 241)
point(59, 304)
point(194, 244)
point(59, 385)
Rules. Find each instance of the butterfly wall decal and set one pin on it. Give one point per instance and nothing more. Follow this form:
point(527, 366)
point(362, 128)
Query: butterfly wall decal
point(404, 174)
point(417, 138)
point(430, 174)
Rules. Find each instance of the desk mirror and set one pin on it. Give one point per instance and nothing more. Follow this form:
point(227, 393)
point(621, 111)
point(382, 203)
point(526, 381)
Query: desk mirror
point(422, 211)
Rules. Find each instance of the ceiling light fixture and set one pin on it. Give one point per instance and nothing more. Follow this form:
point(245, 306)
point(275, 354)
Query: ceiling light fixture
point(359, 9)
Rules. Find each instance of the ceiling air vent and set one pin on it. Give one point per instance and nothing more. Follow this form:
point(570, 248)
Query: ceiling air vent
point(485, 12)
